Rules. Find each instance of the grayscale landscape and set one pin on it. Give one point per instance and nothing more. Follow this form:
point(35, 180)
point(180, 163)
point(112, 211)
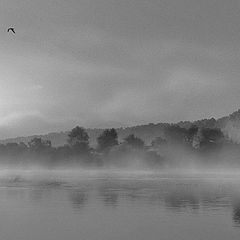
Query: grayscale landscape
point(119, 205)
point(119, 119)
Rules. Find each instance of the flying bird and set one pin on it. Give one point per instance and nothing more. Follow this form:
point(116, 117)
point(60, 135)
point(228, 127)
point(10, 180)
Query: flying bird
point(11, 29)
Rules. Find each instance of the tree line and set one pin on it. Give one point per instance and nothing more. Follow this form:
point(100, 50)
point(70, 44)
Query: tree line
point(131, 151)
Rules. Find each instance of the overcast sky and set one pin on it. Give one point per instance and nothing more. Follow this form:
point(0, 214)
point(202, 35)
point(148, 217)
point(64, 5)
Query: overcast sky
point(102, 63)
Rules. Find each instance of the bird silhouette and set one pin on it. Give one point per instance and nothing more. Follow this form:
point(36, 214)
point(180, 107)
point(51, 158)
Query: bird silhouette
point(11, 29)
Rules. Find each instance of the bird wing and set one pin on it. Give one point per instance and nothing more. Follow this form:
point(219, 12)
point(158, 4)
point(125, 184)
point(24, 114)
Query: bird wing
point(11, 29)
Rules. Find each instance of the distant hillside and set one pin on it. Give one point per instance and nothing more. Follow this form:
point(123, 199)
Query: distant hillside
point(146, 132)
point(230, 126)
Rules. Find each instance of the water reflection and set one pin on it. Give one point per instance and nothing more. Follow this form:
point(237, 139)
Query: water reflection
point(178, 200)
point(236, 211)
point(36, 194)
point(172, 195)
point(109, 195)
point(78, 198)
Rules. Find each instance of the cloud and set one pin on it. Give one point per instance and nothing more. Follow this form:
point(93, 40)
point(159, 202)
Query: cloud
point(97, 63)
point(15, 118)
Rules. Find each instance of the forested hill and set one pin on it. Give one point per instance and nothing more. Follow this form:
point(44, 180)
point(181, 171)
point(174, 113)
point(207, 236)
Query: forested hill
point(146, 132)
point(230, 126)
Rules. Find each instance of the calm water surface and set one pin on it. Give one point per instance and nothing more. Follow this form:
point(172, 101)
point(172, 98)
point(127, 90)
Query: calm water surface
point(107, 206)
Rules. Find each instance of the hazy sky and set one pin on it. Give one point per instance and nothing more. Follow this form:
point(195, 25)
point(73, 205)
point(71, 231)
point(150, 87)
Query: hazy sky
point(102, 63)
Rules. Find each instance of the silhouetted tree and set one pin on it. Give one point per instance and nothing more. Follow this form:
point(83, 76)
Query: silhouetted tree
point(175, 134)
point(134, 141)
point(38, 145)
point(107, 139)
point(211, 136)
point(192, 131)
point(78, 140)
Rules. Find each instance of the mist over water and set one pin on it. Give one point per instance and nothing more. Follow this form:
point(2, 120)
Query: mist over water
point(169, 190)
point(145, 70)
point(119, 204)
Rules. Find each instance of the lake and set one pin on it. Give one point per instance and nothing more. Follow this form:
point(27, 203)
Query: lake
point(107, 205)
